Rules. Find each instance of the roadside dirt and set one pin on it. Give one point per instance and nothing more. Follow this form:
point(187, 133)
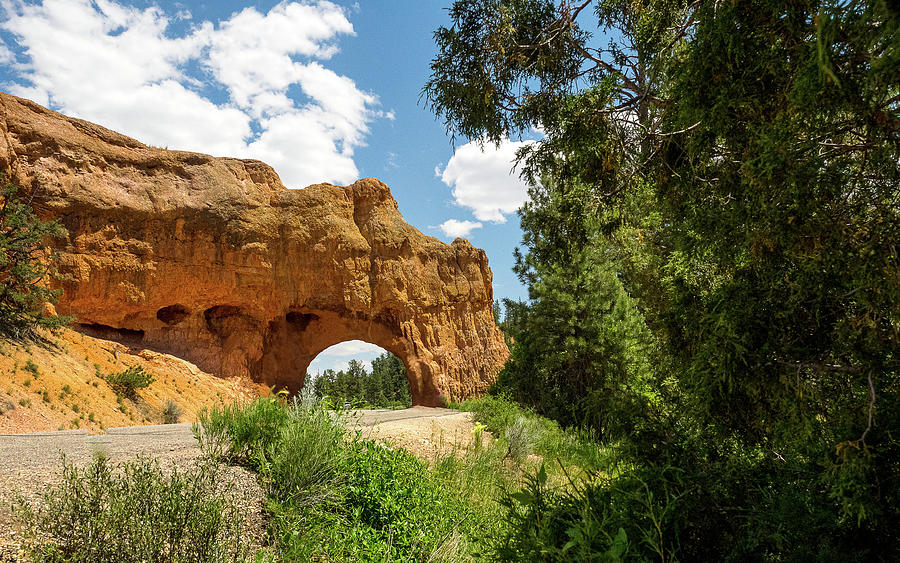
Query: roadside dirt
point(426, 437)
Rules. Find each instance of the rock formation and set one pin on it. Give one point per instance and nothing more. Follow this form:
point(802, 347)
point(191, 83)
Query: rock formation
point(214, 260)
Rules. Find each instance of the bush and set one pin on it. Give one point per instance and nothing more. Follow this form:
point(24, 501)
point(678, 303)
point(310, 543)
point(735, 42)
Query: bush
point(241, 433)
point(302, 465)
point(129, 381)
point(527, 432)
point(136, 512)
point(6, 405)
point(171, 412)
point(392, 492)
point(520, 438)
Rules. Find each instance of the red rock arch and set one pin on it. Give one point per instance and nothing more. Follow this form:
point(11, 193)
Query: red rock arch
point(213, 260)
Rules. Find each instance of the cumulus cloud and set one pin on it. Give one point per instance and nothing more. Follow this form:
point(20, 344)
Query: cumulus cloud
point(483, 180)
point(122, 67)
point(353, 347)
point(453, 228)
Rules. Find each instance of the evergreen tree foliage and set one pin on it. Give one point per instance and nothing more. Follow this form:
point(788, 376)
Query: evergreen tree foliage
point(386, 386)
point(710, 248)
point(23, 273)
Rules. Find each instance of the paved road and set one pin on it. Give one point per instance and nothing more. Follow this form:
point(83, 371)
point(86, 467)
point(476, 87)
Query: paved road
point(23, 454)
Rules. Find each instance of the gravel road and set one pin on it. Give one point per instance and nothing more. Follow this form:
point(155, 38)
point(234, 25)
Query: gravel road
point(29, 463)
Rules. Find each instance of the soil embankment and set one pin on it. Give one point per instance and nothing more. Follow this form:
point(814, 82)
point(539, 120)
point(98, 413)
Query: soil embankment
point(60, 385)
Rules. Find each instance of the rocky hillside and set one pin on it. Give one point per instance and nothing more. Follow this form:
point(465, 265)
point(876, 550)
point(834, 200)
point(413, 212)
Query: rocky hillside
point(62, 385)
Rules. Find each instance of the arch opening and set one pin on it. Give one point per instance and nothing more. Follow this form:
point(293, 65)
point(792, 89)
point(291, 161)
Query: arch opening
point(173, 314)
point(293, 340)
point(359, 373)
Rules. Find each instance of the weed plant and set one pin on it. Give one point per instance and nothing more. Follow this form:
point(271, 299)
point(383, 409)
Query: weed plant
point(171, 412)
point(135, 512)
point(240, 433)
point(302, 467)
point(527, 432)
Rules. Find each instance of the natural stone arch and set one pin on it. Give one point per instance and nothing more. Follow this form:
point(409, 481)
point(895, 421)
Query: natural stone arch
point(293, 344)
point(214, 260)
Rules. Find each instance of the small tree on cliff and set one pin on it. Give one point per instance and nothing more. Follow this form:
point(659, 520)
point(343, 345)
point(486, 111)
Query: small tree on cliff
point(22, 273)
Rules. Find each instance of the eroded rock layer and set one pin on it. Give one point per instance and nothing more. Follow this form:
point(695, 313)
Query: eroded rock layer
point(214, 260)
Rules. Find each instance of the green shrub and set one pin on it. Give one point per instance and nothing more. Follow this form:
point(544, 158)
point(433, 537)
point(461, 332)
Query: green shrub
point(391, 509)
point(171, 412)
point(302, 465)
point(241, 433)
point(520, 436)
point(136, 512)
point(527, 432)
point(129, 381)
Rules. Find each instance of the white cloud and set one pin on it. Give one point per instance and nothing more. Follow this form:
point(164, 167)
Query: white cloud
point(353, 348)
point(118, 66)
point(338, 357)
point(453, 228)
point(484, 181)
point(6, 56)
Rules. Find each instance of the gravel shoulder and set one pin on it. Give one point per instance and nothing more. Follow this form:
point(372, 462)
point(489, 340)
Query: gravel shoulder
point(29, 463)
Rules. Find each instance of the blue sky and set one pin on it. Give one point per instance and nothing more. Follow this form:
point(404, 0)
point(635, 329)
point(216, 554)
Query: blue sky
point(322, 91)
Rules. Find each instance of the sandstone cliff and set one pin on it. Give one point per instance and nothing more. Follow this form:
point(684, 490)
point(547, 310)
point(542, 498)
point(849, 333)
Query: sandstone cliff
point(214, 260)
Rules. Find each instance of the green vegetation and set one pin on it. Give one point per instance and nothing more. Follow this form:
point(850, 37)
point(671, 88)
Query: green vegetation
point(335, 496)
point(171, 412)
point(135, 512)
point(386, 386)
point(710, 251)
point(129, 381)
point(527, 433)
point(23, 238)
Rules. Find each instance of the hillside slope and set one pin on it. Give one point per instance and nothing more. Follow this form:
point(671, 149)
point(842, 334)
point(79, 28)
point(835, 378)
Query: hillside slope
point(61, 385)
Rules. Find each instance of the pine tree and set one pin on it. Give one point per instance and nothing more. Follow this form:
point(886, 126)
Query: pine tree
point(25, 266)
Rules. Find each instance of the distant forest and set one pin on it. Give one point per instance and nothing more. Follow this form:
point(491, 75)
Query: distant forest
point(385, 386)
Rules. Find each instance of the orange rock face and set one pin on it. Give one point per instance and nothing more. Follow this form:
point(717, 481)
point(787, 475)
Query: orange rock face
point(214, 260)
